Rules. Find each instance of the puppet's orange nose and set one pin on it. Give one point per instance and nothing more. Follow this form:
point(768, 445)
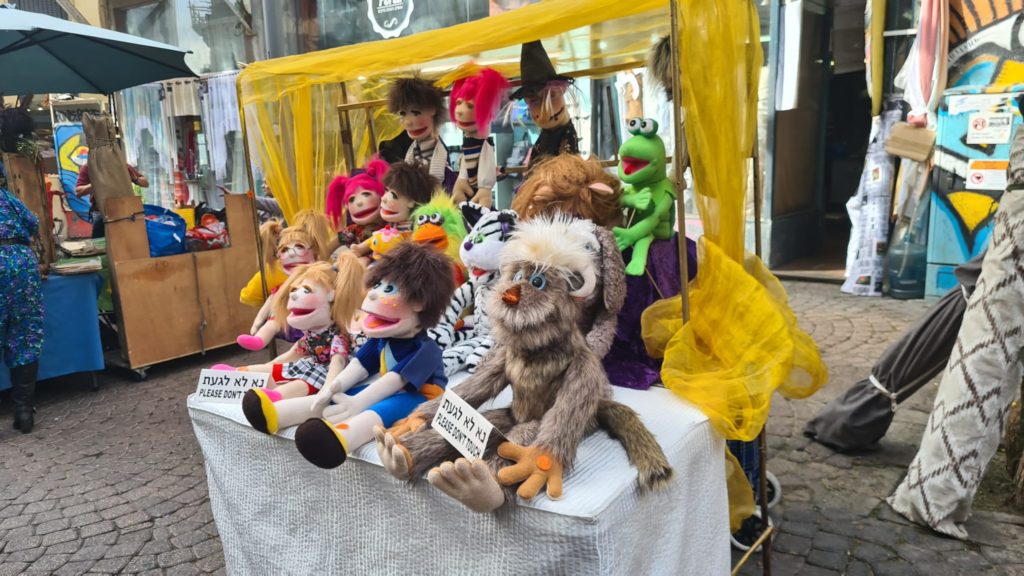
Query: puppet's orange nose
point(511, 296)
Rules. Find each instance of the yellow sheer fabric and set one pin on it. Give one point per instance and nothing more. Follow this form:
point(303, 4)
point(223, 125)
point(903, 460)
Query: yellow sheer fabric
point(742, 342)
point(290, 104)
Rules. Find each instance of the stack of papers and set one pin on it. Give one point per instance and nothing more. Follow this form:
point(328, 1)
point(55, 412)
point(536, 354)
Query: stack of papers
point(85, 247)
point(76, 266)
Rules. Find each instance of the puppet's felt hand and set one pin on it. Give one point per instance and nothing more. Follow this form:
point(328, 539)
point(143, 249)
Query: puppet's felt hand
point(640, 200)
point(344, 407)
point(483, 197)
point(624, 237)
point(411, 423)
point(321, 400)
point(534, 467)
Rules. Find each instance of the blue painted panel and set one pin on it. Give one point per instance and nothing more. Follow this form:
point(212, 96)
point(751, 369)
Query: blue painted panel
point(939, 280)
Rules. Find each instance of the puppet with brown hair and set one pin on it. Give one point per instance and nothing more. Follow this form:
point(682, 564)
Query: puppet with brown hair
point(409, 289)
point(306, 242)
point(559, 390)
point(321, 300)
point(420, 108)
point(406, 187)
point(571, 185)
point(568, 184)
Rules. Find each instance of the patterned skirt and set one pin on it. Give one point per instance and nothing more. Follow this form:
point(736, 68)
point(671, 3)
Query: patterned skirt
point(980, 382)
point(306, 369)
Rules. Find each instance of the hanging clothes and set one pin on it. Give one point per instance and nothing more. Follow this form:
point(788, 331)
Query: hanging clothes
point(149, 140)
point(219, 99)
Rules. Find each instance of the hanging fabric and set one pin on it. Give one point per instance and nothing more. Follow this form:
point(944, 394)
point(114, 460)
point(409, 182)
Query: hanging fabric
point(149, 140)
point(182, 97)
point(219, 103)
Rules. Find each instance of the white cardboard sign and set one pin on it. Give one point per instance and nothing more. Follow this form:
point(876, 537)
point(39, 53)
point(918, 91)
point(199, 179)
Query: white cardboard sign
point(462, 426)
point(222, 387)
point(986, 174)
point(989, 128)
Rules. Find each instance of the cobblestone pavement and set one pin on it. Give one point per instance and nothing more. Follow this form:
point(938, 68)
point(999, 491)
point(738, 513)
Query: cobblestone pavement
point(113, 481)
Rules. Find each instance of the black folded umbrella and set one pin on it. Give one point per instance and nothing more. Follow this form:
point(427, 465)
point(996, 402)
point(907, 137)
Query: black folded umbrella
point(861, 416)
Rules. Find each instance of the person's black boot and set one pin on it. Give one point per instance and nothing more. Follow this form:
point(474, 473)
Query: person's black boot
point(23, 392)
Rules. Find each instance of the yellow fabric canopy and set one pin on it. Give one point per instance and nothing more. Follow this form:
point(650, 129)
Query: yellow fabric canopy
point(290, 104)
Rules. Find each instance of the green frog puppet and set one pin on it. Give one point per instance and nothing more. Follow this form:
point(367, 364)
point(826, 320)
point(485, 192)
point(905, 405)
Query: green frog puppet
point(647, 193)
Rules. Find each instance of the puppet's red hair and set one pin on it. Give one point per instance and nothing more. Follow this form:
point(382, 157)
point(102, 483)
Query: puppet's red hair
point(486, 89)
point(343, 187)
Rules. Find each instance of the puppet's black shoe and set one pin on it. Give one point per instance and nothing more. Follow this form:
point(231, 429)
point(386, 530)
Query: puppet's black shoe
point(258, 408)
point(321, 443)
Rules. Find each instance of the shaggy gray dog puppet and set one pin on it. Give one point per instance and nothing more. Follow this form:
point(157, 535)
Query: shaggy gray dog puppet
point(560, 392)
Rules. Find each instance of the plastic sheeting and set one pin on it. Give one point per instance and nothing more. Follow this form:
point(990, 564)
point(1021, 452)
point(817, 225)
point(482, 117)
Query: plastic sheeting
point(923, 76)
point(290, 103)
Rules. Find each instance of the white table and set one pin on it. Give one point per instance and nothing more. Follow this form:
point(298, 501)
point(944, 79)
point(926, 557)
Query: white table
point(278, 514)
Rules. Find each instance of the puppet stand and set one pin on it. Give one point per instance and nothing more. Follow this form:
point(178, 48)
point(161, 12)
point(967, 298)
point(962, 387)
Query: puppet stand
point(601, 525)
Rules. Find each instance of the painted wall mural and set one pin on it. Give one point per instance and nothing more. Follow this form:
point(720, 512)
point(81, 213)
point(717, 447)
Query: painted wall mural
point(977, 118)
point(985, 43)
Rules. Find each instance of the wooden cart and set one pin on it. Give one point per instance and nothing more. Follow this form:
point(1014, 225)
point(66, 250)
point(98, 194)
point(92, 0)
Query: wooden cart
point(175, 306)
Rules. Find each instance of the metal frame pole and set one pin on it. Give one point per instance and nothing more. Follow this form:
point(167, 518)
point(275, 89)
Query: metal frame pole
point(754, 43)
point(681, 160)
point(252, 200)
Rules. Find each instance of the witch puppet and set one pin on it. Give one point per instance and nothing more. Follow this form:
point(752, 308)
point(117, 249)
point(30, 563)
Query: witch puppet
point(419, 105)
point(544, 91)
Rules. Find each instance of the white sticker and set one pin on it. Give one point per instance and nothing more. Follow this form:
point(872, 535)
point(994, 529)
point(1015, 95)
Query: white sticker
point(962, 103)
point(988, 128)
point(462, 426)
point(987, 174)
point(223, 387)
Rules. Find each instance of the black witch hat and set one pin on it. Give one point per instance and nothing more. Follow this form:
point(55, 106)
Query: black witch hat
point(536, 71)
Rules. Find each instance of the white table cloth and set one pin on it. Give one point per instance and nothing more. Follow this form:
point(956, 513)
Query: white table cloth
point(279, 514)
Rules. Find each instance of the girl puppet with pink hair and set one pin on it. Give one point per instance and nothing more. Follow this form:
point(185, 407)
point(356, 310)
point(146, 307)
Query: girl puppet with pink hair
point(475, 102)
point(358, 197)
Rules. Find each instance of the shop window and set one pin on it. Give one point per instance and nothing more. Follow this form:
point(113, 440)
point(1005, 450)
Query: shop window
point(345, 22)
point(210, 29)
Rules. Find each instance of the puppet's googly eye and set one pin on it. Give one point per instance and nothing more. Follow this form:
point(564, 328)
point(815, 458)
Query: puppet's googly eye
point(648, 127)
point(538, 281)
point(518, 277)
point(387, 288)
point(633, 126)
point(436, 218)
point(421, 219)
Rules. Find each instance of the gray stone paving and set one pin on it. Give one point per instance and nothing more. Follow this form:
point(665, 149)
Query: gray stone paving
point(113, 481)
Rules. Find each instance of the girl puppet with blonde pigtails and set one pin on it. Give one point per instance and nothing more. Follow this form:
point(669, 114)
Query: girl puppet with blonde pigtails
point(353, 203)
point(409, 289)
point(305, 243)
point(475, 102)
point(321, 300)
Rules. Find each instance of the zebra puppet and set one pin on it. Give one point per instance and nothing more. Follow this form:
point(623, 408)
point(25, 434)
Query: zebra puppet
point(466, 338)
